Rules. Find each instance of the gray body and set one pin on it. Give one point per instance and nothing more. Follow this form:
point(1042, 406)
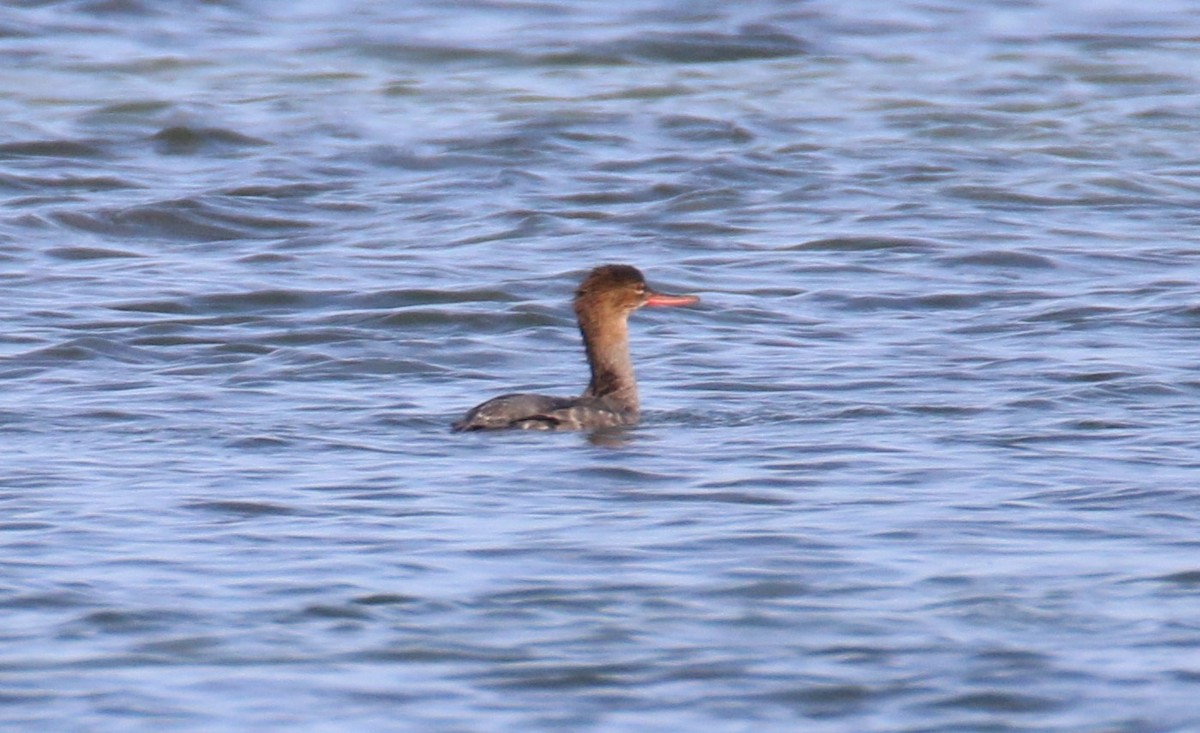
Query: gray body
point(541, 412)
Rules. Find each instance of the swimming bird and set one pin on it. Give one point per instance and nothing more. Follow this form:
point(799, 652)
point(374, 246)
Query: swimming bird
point(602, 304)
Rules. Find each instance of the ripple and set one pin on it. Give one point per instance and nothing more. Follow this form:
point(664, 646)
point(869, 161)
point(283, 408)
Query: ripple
point(386, 599)
point(1077, 316)
point(66, 182)
point(261, 301)
point(88, 348)
point(120, 621)
point(51, 149)
point(434, 654)
point(242, 509)
point(259, 442)
point(825, 700)
point(694, 47)
point(559, 677)
point(1000, 702)
point(1184, 578)
point(702, 129)
point(863, 244)
point(182, 219)
point(52, 600)
point(89, 253)
point(1000, 195)
point(409, 297)
point(1003, 259)
point(931, 302)
point(183, 140)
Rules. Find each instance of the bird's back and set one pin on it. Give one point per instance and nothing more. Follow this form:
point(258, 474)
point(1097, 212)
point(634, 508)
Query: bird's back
point(542, 412)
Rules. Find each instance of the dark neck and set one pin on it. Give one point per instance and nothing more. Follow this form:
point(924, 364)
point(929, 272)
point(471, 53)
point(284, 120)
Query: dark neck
point(606, 341)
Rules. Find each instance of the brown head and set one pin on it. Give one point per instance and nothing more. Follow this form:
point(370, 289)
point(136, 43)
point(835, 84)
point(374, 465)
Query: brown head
point(618, 290)
point(603, 303)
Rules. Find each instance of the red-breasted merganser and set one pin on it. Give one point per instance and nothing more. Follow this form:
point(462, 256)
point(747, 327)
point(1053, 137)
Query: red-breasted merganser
point(602, 305)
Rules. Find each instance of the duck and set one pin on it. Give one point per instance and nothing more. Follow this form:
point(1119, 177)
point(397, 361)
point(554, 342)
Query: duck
point(605, 299)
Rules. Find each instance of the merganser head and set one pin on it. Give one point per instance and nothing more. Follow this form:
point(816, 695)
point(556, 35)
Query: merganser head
point(620, 290)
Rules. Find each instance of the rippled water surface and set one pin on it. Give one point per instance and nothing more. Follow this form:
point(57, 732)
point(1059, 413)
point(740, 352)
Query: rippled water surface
point(925, 458)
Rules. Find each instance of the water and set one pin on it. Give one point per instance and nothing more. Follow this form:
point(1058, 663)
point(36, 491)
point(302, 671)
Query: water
point(924, 459)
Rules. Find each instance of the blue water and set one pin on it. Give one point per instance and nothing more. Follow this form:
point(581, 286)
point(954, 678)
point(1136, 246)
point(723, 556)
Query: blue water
point(924, 458)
